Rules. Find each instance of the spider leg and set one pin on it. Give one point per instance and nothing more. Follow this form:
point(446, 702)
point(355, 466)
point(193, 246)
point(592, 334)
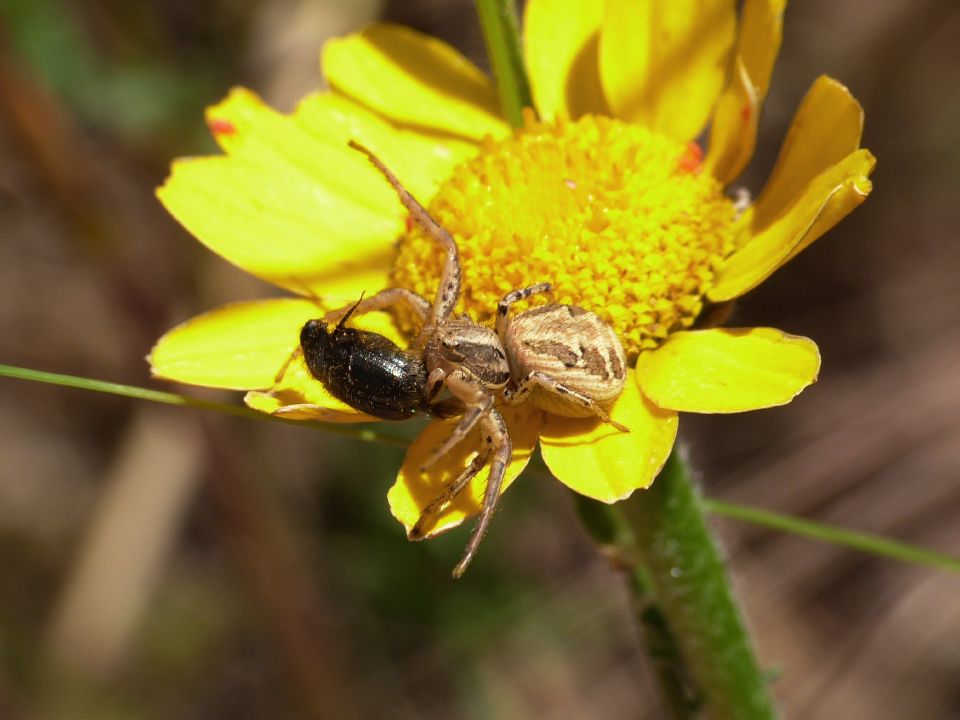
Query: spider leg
point(450, 493)
point(536, 378)
point(385, 298)
point(479, 404)
point(449, 291)
point(467, 422)
point(496, 429)
point(503, 320)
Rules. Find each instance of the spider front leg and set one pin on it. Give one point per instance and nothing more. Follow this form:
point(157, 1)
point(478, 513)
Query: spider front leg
point(495, 430)
point(419, 306)
point(536, 379)
point(452, 491)
point(478, 402)
point(449, 291)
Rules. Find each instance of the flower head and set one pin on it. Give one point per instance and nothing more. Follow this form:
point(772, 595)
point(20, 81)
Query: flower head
point(604, 192)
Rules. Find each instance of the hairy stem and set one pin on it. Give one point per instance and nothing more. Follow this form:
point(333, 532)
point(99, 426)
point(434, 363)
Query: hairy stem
point(607, 530)
point(668, 528)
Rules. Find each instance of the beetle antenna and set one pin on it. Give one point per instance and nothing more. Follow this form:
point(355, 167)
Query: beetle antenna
point(343, 320)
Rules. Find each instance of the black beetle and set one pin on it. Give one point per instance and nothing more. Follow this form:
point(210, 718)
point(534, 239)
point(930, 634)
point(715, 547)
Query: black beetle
point(367, 371)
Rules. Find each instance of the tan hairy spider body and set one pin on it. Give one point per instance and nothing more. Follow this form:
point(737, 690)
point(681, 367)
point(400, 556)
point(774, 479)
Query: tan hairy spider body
point(475, 349)
point(563, 358)
point(564, 347)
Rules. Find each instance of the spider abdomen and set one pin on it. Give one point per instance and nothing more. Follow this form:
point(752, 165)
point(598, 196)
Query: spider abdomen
point(574, 347)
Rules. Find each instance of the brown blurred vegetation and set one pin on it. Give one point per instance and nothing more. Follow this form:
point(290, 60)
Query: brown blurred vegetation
point(163, 563)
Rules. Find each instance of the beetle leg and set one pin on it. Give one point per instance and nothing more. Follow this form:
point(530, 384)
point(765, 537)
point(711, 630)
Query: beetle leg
point(536, 378)
point(450, 493)
point(496, 429)
point(297, 352)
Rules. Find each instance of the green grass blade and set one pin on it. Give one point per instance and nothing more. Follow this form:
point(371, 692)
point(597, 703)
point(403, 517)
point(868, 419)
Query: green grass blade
point(168, 398)
point(865, 542)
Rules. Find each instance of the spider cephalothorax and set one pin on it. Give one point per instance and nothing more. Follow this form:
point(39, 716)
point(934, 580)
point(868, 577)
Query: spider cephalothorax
point(563, 358)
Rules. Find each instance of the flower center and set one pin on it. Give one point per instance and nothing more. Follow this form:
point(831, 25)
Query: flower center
point(618, 218)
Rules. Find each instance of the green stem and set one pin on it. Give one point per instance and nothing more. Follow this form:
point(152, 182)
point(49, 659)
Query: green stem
point(167, 398)
point(680, 698)
point(690, 582)
point(498, 18)
point(607, 530)
point(865, 542)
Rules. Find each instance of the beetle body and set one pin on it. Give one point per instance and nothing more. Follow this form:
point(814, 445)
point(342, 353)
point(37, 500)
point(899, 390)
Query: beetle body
point(365, 370)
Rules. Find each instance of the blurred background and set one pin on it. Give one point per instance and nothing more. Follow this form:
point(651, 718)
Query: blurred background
point(166, 563)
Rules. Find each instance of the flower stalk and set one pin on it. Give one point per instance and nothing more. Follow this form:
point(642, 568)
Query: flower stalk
point(668, 529)
point(607, 529)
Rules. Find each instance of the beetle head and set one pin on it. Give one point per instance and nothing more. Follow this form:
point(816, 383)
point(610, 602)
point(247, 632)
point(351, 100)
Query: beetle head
point(318, 341)
point(315, 340)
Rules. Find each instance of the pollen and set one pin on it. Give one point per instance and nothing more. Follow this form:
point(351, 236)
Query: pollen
point(619, 219)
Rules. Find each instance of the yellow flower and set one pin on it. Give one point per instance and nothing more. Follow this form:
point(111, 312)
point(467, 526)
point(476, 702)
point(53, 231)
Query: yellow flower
point(606, 195)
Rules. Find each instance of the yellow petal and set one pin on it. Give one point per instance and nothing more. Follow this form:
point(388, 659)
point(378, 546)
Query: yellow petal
point(245, 127)
point(663, 64)
point(728, 370)
point(421, 160)
point(304, 160)
point(561, 50)
point(239, 346)
point(414, 79)
point(758, 41)
point(733, 133)
point(314, 140)
point(824, 202)
point(281, 224)
point(603, 463)
point(412, 492)
point(825, 129)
